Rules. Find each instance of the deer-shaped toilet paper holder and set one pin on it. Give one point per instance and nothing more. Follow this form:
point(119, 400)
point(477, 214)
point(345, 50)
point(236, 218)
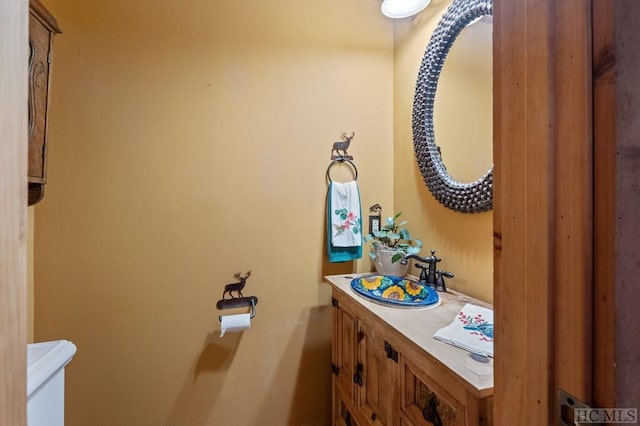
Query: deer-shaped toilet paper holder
point(239, 300)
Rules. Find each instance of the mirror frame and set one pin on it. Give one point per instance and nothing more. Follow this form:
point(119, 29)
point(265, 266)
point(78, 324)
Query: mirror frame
point(474, 197)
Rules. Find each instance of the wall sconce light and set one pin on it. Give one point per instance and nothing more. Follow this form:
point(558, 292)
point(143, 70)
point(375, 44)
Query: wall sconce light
point(398, 9)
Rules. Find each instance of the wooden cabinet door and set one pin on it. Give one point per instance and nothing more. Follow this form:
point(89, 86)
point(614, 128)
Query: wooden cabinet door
point(426, 403)
point(39, 45)
point(378, 390)
point(343, 414)
point(404, 420)
point(344, 335)
point(42, 28)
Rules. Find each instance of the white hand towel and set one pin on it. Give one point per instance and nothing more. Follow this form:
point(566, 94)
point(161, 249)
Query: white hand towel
point(472, 330)
point(345, 215)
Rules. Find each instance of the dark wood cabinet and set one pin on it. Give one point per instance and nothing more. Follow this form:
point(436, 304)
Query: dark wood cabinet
point(42, 28)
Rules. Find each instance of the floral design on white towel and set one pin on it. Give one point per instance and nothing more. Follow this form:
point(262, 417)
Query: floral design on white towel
point(480, 326)
point(351, 222)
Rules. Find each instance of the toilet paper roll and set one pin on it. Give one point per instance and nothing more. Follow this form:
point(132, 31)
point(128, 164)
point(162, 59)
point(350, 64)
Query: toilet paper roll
point(234, 323)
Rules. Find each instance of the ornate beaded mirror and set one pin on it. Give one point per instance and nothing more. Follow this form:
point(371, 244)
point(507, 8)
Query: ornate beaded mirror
point(473, 197)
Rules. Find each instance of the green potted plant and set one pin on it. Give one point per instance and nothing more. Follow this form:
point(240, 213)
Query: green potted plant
point(390, 244)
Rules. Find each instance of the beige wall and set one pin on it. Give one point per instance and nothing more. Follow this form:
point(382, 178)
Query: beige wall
point(30, 267)
point(463, 241)
point(189, 141)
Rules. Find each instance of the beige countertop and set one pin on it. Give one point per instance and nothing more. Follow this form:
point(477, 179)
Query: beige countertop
point(420, 324)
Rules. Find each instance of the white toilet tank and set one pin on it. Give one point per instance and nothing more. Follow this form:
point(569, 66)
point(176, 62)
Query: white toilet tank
point(45, 381)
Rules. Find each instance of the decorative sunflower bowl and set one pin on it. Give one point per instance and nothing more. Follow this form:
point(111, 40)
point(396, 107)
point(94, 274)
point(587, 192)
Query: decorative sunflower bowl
point(398, 291)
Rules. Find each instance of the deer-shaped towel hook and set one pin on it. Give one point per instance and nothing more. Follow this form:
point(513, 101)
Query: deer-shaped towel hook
point(341, 156)
point(239, 300)
point(342, 145)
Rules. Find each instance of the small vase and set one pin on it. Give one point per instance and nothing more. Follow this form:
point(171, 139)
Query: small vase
point(384, 266)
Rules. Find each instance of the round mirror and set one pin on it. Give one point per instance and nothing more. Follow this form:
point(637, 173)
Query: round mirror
point(465, 95)
point(461, 112)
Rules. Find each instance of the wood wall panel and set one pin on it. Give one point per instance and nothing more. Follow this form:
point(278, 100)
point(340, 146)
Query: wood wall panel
point(626, 15)
point(604, 394)
point(13, 216)
point(543, 206)
point(572, 284)
point(522, 210)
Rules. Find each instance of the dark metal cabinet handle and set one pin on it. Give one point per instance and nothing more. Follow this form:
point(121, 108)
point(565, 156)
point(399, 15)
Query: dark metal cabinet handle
point(373, 417)
point(357, 377)
point(335, 370)
point(430, 411)
point(391, 353)
point(347, 419)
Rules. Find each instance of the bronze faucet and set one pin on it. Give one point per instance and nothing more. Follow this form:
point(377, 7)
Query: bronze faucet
point(429, 275)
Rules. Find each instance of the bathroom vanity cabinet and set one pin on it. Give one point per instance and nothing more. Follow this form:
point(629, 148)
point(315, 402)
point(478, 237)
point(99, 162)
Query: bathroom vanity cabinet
point(42, 28)
point(388, 370)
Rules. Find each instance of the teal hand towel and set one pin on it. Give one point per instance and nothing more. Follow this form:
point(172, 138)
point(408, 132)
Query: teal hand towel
point(344, 215)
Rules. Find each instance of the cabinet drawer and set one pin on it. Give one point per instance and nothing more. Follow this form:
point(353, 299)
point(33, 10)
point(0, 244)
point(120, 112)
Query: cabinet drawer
point(427, 403)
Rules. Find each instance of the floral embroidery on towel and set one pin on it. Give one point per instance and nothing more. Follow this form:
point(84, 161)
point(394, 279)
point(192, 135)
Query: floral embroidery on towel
point(480, 326)
point(351, 222)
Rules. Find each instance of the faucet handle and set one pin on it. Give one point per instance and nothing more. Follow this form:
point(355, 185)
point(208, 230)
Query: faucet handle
point(440, 286)
point(423, 272)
